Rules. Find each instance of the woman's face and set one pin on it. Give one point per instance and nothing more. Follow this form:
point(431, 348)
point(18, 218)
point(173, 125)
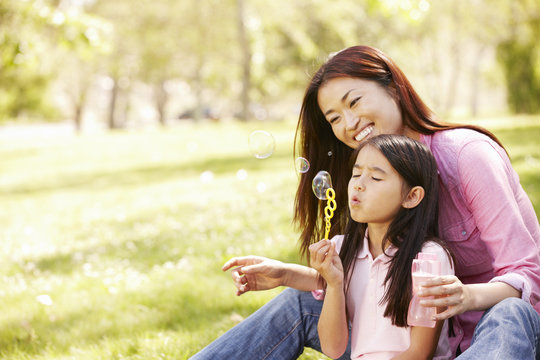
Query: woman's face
point(358, 109)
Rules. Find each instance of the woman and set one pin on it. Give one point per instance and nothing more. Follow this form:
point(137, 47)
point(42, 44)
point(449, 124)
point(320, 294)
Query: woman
point(484, 215)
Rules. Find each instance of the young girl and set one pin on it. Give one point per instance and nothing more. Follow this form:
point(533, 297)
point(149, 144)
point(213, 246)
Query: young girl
point(392, 217)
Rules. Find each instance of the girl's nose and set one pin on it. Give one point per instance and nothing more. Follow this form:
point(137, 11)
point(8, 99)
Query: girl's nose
point(359, 186)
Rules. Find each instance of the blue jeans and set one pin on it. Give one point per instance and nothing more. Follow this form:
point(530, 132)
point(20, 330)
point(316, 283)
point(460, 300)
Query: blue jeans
point(508, 330)
point(285, 325)
point(278, 330)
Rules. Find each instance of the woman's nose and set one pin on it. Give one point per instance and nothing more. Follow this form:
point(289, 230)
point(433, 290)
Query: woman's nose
point(351, 120)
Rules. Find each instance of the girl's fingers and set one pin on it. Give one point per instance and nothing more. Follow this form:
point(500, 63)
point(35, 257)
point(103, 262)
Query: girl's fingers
point(318, 251)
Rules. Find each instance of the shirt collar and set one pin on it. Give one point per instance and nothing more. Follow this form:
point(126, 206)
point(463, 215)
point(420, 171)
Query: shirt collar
point(390, 251)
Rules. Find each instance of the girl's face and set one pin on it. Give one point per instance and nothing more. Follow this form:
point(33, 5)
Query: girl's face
point(358, 109)
point(376, 190)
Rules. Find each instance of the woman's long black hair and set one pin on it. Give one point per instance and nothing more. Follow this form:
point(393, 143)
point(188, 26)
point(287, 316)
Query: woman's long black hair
point(411, 227)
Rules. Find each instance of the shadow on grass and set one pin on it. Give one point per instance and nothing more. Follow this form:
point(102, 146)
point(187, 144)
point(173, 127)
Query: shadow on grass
point(182, 308)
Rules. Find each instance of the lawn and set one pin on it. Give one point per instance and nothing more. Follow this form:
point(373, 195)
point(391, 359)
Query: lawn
point(112, 244)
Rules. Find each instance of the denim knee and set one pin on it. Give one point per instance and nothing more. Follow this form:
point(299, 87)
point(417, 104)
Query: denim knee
point(512, 307)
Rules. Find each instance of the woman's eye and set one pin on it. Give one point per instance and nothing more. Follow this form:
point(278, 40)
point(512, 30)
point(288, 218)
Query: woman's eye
point(354, 102)
point(376, 179)
point(334, 119)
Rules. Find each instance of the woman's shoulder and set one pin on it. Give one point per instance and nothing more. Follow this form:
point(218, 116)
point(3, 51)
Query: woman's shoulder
point(458, 137)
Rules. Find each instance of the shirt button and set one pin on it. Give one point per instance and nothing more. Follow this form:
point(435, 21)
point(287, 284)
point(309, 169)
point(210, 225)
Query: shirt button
point(463, 233)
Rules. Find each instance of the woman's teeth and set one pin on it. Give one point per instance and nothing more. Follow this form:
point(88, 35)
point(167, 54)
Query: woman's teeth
point(364, 133)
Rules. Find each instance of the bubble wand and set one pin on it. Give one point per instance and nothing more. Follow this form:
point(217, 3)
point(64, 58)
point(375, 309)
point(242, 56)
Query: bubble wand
point(329, 210)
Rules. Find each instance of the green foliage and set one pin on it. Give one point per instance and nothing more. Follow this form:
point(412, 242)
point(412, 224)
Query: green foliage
point(126, 233)
point(520, 64)
point(519, 56)
point(32, 34)
point(196, 45)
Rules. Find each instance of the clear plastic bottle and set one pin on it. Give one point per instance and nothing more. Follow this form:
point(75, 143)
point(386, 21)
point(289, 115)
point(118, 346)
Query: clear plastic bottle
point(424, 267)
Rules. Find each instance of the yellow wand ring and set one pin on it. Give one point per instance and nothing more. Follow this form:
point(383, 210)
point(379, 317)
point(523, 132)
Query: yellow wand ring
point(331, 206)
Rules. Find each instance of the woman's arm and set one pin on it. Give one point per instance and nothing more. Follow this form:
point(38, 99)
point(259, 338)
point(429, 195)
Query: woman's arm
point(254, 273)
point(460, 298)
point(507, 226)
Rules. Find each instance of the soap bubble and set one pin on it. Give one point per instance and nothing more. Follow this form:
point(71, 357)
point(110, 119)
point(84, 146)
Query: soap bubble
point(301, 165)
point(241, 174)
point(207, 177)
point(261, 187)
point(321, 182)
point(44, 300)
point(261, 144)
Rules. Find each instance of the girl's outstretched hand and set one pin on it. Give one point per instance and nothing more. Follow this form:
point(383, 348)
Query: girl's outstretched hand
point(253, 273)
point(449, 293)
point(324, 258)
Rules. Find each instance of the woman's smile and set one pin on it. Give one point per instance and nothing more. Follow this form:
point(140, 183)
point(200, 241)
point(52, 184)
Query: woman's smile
point(364, 133)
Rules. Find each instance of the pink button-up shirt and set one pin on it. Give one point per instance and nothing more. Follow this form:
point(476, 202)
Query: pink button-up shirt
point(486, 218)
point(373, 337)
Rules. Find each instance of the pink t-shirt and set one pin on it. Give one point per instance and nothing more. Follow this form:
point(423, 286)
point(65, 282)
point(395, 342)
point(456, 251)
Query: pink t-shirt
point(486, 218)
point(373, 337)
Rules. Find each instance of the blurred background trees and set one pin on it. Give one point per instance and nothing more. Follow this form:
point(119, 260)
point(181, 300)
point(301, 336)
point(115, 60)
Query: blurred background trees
point(125, 63)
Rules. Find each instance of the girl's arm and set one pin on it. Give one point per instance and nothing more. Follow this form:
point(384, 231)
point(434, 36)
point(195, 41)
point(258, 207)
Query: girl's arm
point(333, 325)
point(424, 342)
point(254, 273)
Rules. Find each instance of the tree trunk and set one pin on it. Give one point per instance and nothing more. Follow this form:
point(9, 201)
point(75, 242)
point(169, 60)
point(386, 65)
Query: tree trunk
point(112, 105)
point(160, 95)
point(475, 81)
point(246, 60)
point(455, 61)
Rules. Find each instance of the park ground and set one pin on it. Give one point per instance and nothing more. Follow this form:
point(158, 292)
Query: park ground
point(112, 243)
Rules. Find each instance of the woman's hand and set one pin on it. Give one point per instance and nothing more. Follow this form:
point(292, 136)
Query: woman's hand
point(449, 293)
point(253, 273)
point(325, 259)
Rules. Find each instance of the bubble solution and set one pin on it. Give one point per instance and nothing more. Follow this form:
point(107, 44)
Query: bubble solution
point(424, 267)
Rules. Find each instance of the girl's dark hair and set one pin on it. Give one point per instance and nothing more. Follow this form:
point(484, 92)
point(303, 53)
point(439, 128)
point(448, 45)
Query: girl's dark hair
point(411, 227)
point(315, 140)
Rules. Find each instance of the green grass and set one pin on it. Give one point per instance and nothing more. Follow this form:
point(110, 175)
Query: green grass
point(122, 234)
